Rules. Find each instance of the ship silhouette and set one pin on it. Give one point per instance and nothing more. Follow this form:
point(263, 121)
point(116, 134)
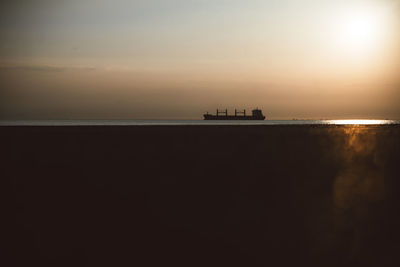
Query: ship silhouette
point(256, 114)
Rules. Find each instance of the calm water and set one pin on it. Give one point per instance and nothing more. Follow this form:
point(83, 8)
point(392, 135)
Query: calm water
point(187, 122)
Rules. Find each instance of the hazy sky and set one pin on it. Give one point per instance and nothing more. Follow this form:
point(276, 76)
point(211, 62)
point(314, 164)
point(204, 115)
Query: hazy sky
point(179, 58)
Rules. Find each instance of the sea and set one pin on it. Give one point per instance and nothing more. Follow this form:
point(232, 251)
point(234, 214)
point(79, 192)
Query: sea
point(191, 122)
point(118, 192)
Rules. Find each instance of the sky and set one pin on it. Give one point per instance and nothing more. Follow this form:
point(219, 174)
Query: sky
point(177, 59)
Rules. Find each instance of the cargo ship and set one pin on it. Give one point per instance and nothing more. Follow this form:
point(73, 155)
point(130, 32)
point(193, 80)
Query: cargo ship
point(256, 114)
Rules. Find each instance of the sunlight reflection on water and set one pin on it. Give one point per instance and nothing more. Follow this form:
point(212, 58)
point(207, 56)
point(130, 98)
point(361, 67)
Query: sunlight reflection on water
point(359, 185)
point(360, 122)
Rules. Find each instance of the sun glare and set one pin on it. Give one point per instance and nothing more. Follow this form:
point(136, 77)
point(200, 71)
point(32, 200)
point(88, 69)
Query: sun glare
point(359, 31)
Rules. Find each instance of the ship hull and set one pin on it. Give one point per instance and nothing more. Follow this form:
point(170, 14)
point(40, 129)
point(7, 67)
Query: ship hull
point(239, 118)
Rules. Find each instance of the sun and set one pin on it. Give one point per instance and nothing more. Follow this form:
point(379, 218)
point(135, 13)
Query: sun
point(359, 31)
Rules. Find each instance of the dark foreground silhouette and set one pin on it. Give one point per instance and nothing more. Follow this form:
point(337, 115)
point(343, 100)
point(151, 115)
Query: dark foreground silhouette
point(201, 195)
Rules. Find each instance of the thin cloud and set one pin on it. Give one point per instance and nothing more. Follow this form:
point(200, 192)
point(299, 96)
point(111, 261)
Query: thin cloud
point(33, 68)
